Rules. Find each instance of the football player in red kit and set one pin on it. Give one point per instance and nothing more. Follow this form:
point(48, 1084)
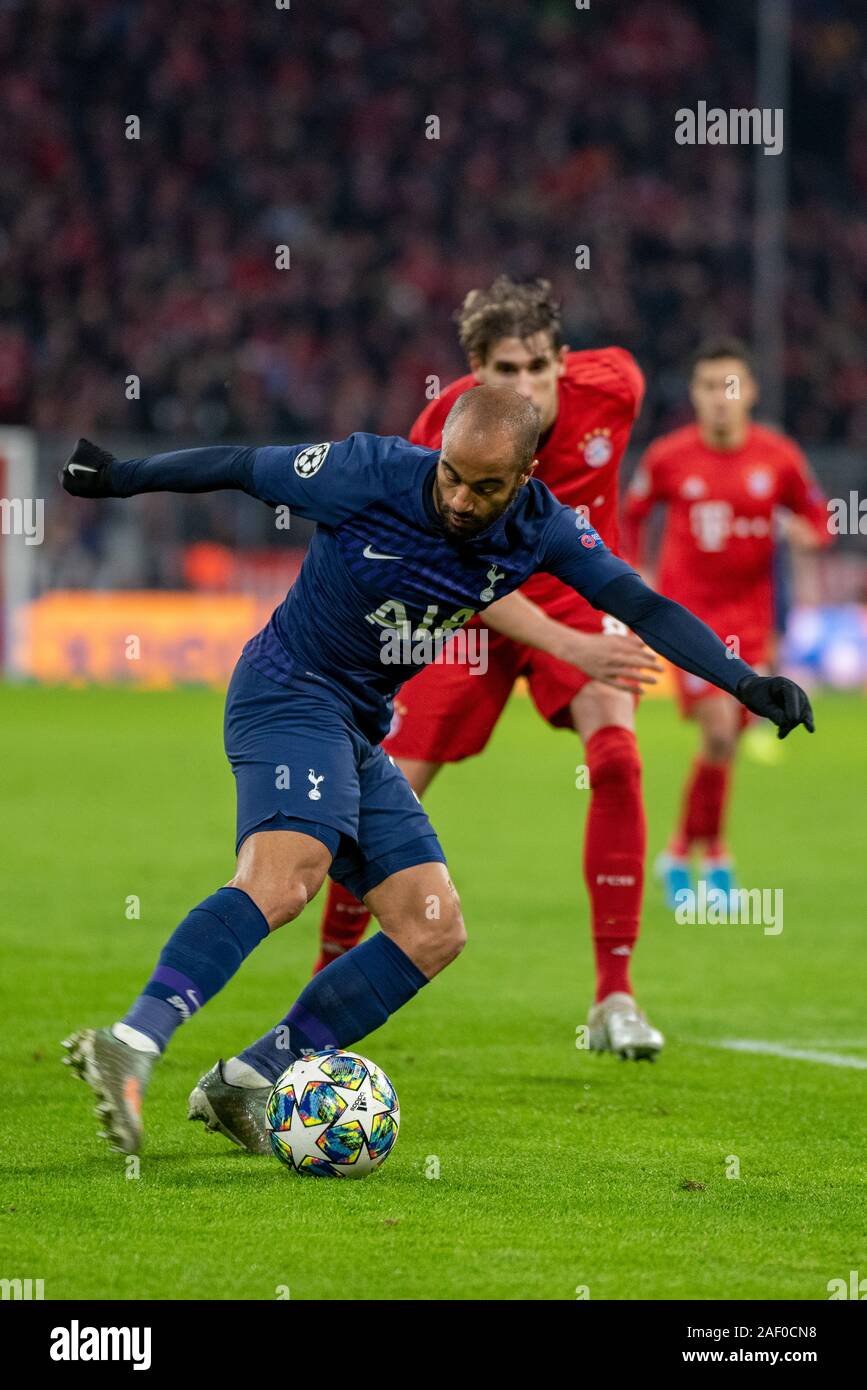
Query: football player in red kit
point(724, 481)
point(587, 402)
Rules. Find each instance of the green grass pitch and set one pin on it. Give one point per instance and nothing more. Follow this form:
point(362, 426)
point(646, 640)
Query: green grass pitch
point(557, 1170)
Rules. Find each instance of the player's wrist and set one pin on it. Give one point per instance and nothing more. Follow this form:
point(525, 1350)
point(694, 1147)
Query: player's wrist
point(746, 683)
point(564, 642)
point(118, 478)
point(88, 472)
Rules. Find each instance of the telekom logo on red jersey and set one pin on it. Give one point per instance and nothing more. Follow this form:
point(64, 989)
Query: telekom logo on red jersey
point(713, 524)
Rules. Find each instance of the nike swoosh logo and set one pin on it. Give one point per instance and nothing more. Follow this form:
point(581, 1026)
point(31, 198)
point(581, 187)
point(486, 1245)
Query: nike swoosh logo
point(80, 468)
point(375, 555)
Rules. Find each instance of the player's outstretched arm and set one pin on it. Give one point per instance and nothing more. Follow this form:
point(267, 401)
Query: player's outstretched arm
point(679, 635)
point(93, 472)
point(623, 662)
point(573, 552)
point(323, 482)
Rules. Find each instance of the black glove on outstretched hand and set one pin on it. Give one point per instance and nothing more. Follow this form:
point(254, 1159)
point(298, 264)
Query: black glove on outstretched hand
point(778, 699)
point(86, 473)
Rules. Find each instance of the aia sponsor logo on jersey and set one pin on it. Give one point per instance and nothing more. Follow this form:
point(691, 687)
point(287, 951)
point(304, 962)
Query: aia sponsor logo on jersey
point(598, 448)
point(760, 482)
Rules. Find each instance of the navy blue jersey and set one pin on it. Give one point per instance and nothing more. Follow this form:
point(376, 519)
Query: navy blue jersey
point(380, 561)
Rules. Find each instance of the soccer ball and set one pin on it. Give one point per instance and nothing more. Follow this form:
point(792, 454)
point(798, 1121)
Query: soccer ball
point(333, 1114)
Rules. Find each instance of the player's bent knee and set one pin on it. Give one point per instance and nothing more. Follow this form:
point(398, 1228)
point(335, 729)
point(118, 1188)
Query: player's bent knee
point(597, 707)
point(720, 747)
point(278, 903)
point(446, 939)
point(455, 935)
point(433, 943)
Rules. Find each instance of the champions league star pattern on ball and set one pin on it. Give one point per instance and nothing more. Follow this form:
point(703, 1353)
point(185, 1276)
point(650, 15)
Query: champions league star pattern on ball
point(333, 1114)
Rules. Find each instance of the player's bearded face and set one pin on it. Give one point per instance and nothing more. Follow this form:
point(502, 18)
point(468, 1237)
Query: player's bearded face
point(531, 366)
point(723, 393)
point(473, 486)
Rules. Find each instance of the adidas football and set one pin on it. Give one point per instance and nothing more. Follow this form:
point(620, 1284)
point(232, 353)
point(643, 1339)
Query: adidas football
point(333, 1114)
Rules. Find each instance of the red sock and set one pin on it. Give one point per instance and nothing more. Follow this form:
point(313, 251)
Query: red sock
point(704, 803)
point(614, 845)
point(344, 920)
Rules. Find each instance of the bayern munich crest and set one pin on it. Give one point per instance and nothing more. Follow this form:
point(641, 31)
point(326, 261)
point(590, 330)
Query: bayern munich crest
point(597, 448)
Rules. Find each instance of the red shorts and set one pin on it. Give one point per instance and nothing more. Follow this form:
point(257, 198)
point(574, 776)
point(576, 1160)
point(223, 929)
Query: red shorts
point(448, 712)
point(691, 690)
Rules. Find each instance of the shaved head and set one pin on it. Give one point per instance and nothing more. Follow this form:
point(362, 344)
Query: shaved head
point(489, 440)
point(499, 414)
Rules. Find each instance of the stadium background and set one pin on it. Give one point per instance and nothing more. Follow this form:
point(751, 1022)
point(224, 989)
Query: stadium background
point(154, 258)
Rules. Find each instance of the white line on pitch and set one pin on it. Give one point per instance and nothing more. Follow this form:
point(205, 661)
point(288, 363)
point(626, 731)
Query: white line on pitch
point(796, 1054)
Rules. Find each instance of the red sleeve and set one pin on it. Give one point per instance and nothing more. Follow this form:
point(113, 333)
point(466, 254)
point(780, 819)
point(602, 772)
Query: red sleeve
point(641, 497)
point(801, 494)
point(613, 371)
point(427, 429)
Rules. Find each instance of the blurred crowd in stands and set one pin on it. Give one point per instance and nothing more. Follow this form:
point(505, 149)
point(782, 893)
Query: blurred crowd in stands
point(306, 127)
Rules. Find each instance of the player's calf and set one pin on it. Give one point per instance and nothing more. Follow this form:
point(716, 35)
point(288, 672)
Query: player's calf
point(422, 932)
point(614, 849)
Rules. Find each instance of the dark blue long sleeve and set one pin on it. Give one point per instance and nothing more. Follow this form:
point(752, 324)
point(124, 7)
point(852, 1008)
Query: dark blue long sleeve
point(672, 630)
point(324, 482)
point(208, 469)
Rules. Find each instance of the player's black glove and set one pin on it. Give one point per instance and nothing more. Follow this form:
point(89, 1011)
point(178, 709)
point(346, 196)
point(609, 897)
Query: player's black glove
point(87, 471)
point(778, 699)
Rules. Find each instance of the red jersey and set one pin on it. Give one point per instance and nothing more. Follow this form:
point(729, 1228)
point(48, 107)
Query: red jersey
point(717, 548)
point(579, 457)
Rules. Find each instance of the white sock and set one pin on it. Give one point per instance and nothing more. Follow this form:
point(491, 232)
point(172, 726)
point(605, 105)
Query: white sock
point(238, 1073)
point(133, 1038)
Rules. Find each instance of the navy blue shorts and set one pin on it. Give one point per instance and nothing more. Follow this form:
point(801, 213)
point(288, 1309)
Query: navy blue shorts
point(300, 764)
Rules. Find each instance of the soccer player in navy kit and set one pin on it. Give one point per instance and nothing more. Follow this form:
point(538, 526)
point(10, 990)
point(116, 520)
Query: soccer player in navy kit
point(409, 541)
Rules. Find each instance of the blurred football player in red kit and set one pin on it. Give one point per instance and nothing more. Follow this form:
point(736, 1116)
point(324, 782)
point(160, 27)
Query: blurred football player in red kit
point(587, 403)
point(724, 481)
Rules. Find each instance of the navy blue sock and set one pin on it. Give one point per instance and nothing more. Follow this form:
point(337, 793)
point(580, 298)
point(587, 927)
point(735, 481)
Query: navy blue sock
point(347, 1000)
point(200, 956)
